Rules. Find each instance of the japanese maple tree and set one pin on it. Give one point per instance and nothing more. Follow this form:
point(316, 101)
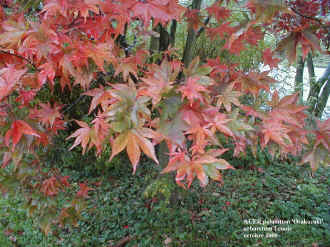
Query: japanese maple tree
point(72, 42)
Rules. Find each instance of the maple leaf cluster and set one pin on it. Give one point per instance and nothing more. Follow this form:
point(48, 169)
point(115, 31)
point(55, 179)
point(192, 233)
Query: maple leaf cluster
point(71, 43)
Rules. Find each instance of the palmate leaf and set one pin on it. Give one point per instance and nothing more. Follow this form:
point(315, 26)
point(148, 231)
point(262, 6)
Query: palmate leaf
point(159, 82)
point(228, 96)
point(268, 58)
point(13, 32)
point(286, 110)
point(126, 109)
point(47, 114)
point(193, 90)
point(253, 82)
point(82, 136)
point(17, 130)
point(200, 166)
point(323, 134)
point(276, 132)
point(266, 10)
point(91, 136)
point(100, 96)
point(315, 158)
point(135, 140)
point(173, 129)
point(306, 38)
point(9, 78)
point(220, 13)
point(161, 11)
point(220, 123)
point(238, 125)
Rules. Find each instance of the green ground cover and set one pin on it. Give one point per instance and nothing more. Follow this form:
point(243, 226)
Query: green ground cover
point(213, 216)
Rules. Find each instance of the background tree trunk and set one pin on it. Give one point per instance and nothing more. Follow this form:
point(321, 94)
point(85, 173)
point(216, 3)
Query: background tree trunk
point(315, 86)
point(164, 39)
point(191, 38)
point(323, 98)
point(298, 86)
point(154, 41)
point(173, 32)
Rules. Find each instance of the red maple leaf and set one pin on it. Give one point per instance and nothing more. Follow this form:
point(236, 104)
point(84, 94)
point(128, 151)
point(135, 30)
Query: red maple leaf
point(18, 128)
point(25, 97)
point(192, 90)
point(220, 13)
point(82, 135)
point(203, 166)
point(83, 191)
point(323, 133)
point(47, 114)
point(193, 18)
point(9, 77)
point(269, 59)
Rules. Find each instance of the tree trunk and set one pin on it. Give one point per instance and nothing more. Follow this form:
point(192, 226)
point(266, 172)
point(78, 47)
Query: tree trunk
point(173, 32)
point(298, 86)
point(315, 86)
point(161, 43)
point(154, 41)
point(164, 38)
point(323, 98)
point(310, 67)
point(191, 38)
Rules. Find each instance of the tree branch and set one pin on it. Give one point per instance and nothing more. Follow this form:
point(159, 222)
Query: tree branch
point(201, 30)
point(21, 57)
point(306, 16)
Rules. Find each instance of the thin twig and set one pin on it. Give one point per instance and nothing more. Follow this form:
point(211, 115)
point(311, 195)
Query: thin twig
point(201, 30)
point(123, 241)
point(21, 57)
point(306, 16)
point(74, 103)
